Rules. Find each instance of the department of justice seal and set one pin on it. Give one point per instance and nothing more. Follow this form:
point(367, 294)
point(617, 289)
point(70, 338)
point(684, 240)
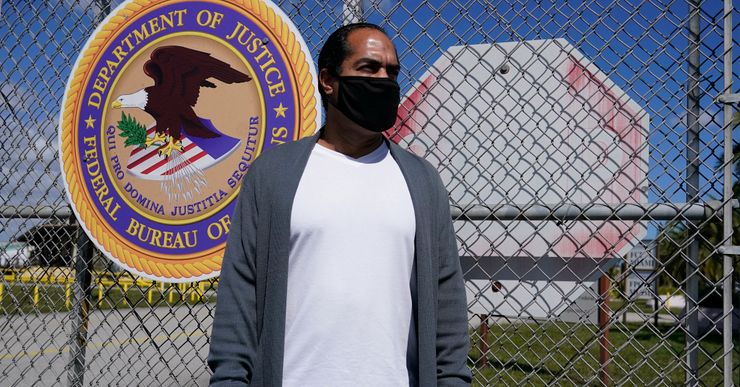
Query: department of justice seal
point(166, 108)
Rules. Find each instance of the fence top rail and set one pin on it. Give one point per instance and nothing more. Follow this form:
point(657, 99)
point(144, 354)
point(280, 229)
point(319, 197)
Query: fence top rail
point(500, 211)
point(589, 211)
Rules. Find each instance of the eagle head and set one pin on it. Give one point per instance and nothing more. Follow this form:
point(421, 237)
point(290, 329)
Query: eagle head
point(135, 100)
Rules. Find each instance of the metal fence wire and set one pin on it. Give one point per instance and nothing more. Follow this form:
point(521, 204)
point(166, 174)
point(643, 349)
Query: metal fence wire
point(588, 149)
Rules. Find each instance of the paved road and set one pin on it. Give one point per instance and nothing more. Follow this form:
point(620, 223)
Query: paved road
point(127, 347)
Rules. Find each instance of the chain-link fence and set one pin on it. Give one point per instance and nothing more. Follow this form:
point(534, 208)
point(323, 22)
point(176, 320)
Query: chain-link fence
point(584, 146)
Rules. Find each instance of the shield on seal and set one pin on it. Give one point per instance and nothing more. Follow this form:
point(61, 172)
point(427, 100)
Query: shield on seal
point(200, 153)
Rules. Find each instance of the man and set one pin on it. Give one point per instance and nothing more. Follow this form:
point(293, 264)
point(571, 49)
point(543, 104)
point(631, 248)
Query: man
point(341, 268)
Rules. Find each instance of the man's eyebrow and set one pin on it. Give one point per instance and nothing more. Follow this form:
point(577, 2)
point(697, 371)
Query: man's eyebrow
point(369, 61)
point(374, 62)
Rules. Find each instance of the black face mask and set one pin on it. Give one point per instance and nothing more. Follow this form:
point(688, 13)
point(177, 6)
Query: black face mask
point(368, 101)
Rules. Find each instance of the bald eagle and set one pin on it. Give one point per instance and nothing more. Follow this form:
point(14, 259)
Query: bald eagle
point(178, 74)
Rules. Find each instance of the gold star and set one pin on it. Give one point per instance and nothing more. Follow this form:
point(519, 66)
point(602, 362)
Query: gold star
point(90, 122)
point(280, 111)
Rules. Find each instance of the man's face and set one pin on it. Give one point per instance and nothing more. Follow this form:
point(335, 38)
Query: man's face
point(372, 54)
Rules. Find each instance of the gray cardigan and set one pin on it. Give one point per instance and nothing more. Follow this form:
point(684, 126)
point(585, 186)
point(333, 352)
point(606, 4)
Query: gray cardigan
point(249, 323)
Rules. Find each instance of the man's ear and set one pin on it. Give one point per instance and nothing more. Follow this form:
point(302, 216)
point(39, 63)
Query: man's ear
point(327, 82)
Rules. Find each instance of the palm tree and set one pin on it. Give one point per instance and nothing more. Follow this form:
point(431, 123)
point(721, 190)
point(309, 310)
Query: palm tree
point(674, 239)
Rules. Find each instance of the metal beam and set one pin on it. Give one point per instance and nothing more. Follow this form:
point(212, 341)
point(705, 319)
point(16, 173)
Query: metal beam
point(727, 264)
point(31, 212)
point(551, 212)
point(691, 184)
point(82, 293)
point(729, 250)
point(570, 212)
point(352, 12)
point(729, 98)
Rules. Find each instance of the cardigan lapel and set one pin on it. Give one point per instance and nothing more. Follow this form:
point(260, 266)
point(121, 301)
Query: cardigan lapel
point(417, 180)
point(281, 204)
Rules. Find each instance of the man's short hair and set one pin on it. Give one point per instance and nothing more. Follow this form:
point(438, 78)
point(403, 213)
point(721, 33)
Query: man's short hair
point(336, 49)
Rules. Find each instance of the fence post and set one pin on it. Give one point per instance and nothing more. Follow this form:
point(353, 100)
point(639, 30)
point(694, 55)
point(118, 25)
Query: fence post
point(82, 289)
point(727, 211)
point(483, 343)
point(352, 11)
point(604, 328)
point(82, 292)
point(693, 111)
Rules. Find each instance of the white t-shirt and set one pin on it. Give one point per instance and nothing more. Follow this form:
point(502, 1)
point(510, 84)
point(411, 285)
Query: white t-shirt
point(348, 306)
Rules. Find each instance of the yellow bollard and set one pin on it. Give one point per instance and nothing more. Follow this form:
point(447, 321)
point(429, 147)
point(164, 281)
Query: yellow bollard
point(194, 292)
point(2, 288)
point(100, 291)
point(125, 294)
point(170, 296)
point(182, 294)
point(161, 291)
point(67, 295)
point(35, 295)
point(149, 295)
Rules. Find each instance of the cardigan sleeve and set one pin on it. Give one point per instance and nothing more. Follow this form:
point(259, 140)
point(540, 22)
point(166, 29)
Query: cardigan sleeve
point(453, 341)
point(234, 337)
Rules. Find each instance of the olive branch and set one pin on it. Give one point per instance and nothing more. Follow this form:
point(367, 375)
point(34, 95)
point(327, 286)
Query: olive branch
point(133, 131)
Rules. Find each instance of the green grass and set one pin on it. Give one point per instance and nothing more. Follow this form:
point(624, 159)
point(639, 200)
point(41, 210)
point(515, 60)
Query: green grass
point(18, 298)
point(553, 353)
point(639, 306)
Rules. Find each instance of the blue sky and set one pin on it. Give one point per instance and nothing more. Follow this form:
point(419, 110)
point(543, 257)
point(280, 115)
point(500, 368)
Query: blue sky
point(641, 45)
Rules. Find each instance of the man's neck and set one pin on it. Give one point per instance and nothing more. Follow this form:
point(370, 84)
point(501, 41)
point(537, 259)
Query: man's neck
point(348, 139)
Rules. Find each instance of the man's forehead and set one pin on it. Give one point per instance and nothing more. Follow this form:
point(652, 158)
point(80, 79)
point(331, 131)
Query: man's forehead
point(366, 41)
